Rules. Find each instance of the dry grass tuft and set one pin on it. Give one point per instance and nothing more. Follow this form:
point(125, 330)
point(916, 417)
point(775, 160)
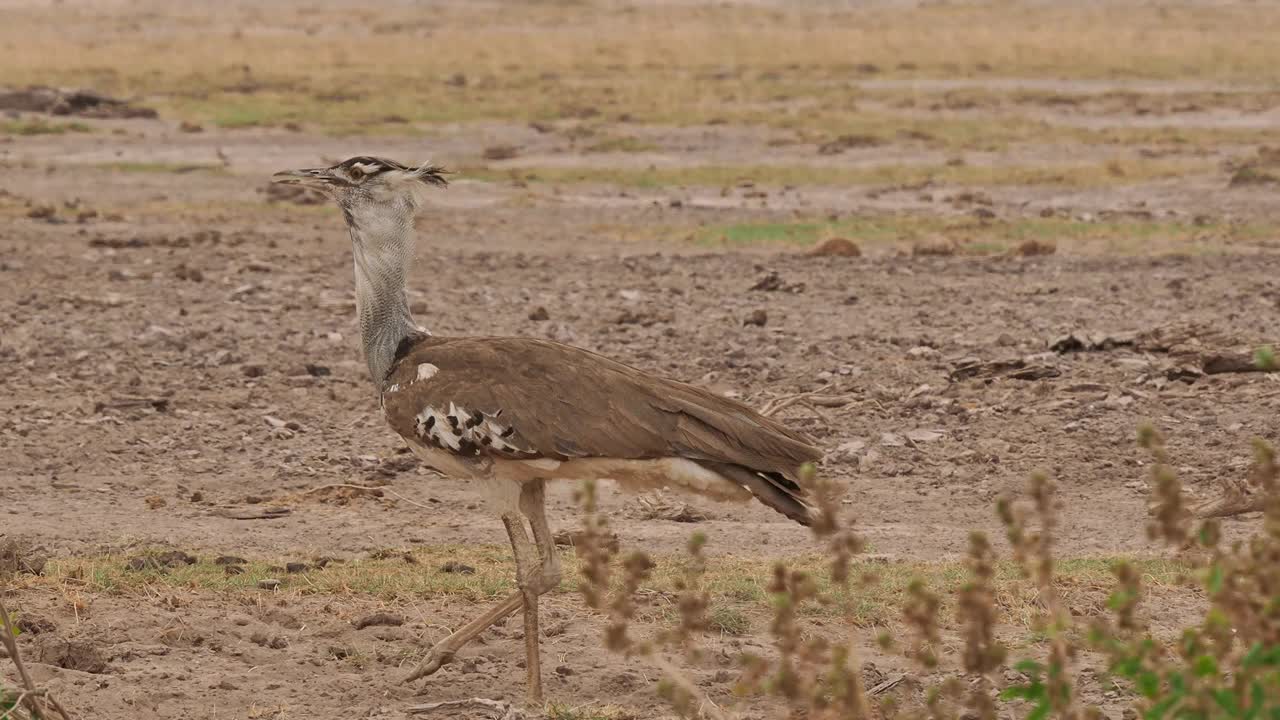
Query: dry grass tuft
point(1227, 667)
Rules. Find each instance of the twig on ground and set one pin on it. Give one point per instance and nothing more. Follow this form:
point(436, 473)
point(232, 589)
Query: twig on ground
point(887, 684)
point(37, 700)
point(1232, 504)
point(507, 710)
point(706, 708)
point(270, 513)
point(158, 404)
point(367, 488)
point(811, 401)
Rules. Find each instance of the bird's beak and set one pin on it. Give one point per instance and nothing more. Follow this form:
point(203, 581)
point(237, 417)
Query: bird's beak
point(311, 177)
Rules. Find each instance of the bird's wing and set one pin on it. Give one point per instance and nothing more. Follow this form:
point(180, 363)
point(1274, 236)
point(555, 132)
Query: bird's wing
point(526, 398)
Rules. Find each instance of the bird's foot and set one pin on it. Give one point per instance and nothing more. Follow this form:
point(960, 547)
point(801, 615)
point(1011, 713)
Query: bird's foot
point(434, 660)
point(502, 710)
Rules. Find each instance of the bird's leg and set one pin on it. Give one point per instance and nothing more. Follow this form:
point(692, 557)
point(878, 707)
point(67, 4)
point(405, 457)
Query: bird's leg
point(533, 506)
point(535, 579)
point(537, 572)
point(442, 653)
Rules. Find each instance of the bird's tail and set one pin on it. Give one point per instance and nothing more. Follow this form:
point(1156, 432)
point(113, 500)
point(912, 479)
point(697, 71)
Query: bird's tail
point(771, 488)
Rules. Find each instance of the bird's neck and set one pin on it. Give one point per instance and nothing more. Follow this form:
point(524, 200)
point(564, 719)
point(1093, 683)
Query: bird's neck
point(383, 249)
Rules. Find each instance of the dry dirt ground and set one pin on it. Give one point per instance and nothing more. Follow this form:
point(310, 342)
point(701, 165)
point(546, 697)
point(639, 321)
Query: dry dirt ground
point(178, 352)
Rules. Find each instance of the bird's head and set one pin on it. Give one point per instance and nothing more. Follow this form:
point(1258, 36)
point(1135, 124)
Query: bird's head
point(365, 184)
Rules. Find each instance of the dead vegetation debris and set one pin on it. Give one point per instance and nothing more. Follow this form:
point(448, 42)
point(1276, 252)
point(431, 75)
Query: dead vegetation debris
point(848, 142)
point(21, 555)
point(772, 282)
point(1261, 169)
point(1035, 248)
point(835, 247)
point(457, 568)
point(500, 152)
point(61, 101)
point(660, 506)
point(160, 560)
point(1012, 368)
point(1199, 350)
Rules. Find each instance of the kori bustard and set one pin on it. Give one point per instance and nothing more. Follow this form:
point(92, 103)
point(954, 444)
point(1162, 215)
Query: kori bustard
point(509, 414)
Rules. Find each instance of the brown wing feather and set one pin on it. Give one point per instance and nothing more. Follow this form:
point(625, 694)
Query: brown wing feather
point(562, 402)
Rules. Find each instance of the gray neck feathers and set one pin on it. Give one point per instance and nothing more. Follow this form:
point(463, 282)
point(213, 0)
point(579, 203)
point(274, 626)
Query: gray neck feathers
point(382, 243)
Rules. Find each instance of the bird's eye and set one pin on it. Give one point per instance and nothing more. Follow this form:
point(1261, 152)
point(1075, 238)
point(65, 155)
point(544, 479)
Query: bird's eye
point(356, 173)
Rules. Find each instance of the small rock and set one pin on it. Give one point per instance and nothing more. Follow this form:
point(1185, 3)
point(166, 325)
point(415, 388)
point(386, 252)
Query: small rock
point(773, 282)
point(454, 566)
point(170, 559)
point(175, 558)
point(187, 126)
point(268, 584)
point(317, 370)
point(229, 560)
point(296, 567)
point(35, 624)
point(564, 670)
point(836, 247)
point(1033, 247)
point(500, 152)
point(182, 272)
point(868, 460)
point(233, 570)
point(757, 317)
point(539, 314)
point(253, 371)
point(80, 655)
point(21, 556)
point(1117, 400)
point(936, 247)
point(275, 643)
point(923, 436)
point(846, 142)
point(574, 538)
point(339, 652)
point(849, 450)
point(379, 619)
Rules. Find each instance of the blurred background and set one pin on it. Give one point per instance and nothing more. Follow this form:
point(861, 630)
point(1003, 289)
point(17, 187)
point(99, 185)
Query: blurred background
point(1039, 101)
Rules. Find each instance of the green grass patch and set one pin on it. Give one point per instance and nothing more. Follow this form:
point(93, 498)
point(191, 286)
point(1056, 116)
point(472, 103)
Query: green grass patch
point(729, 620)
point(620, 144)
point(40, 126)
point(737, 586)
point(985, 237)
point(1071, 176)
